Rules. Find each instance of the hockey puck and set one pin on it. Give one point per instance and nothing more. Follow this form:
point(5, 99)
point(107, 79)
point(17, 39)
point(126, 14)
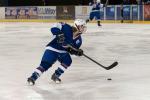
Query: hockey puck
point(109, 79)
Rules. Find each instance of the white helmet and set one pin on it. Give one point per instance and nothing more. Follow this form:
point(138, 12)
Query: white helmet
point(80, 24)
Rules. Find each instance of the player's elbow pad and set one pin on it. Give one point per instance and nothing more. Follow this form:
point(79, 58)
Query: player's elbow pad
point(55, 31)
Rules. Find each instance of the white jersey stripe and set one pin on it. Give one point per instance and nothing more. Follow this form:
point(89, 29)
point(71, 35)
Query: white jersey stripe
point(56, 50)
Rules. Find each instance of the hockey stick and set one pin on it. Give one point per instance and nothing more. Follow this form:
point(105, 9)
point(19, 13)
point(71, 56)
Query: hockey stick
point(106, 3)
point(107, 68)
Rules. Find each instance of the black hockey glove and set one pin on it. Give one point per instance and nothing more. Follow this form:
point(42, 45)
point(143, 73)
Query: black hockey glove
point(60, 38)
point(77, 52)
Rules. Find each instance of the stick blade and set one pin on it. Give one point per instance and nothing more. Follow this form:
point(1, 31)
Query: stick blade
point(112, 65)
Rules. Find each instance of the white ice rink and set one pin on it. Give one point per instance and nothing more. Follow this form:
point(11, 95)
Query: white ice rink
point(22, 46)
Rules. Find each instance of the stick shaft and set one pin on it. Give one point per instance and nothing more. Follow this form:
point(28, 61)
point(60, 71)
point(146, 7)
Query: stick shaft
point(107, 68)
point(93, 60)
point(106, 2)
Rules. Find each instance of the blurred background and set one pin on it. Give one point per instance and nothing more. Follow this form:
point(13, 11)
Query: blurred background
point(65, 2)
point(131, 10)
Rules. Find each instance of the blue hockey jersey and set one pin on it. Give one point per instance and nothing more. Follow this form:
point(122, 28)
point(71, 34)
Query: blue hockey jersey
point(66, 29)
point(96, 6)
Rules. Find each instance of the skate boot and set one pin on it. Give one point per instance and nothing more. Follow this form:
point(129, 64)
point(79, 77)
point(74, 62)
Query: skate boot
point(87, 20)
point(56, 79)
point(98, 23)
point(31, 80)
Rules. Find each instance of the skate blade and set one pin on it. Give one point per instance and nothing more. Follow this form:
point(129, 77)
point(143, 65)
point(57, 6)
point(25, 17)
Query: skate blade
point(55, 82)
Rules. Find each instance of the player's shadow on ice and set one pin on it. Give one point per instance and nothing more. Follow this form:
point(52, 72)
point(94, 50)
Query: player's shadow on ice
point(53, 93)
point(46, 94)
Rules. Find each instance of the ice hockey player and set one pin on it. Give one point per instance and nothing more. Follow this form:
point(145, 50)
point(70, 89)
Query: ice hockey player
point(67, 40)
point(95, 12)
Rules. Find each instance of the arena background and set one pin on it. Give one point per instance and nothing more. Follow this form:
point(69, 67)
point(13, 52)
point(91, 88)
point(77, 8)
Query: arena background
point(50, 11)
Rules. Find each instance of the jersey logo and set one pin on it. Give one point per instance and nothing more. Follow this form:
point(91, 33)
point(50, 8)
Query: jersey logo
point(78, 41)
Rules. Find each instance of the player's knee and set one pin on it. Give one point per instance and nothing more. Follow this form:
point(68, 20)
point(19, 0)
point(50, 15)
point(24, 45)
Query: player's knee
point(69, 62)
point(66, 64)
point(98, 19)
point(45, 65)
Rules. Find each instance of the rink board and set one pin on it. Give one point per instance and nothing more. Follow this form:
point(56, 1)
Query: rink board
point(70, 21)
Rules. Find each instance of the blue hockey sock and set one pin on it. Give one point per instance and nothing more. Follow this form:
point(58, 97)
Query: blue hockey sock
point(59, 72)
point(35, 76)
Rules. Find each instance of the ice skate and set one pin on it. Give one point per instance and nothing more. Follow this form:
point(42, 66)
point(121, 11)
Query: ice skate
point(56, 79)
point(99, 24)
point(31, 81)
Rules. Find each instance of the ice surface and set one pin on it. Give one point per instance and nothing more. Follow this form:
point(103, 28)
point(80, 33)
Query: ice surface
point(23, 44)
